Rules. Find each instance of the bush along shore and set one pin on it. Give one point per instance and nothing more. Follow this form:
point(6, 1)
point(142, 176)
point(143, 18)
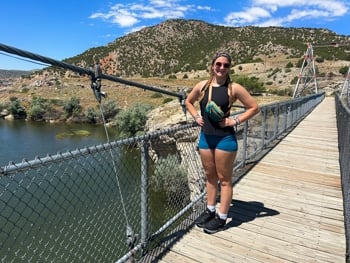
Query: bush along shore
point(129, 122)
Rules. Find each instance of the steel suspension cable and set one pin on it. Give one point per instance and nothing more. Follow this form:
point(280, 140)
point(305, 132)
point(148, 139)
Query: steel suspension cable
point(131, 238)
point(53, 62)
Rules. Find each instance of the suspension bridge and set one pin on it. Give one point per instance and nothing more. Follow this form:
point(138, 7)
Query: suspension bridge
point(98, 204)
point(287, 208)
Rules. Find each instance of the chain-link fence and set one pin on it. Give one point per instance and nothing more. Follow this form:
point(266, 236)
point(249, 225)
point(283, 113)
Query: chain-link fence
point(343, 124)
point(124, 200)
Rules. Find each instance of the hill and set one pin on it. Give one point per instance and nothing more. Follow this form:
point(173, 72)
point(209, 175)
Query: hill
point(174, 55)
point(187, 45)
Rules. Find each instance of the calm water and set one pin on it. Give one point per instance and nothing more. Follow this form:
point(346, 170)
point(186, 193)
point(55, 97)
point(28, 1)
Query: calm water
point(25, 140)
point(95, 201)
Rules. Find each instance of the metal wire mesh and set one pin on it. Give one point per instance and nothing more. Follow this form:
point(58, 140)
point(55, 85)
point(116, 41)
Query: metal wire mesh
point(343, 123)
point(118, 201)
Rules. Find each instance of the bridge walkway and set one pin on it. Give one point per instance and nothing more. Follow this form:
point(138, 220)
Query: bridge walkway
point(287, 208)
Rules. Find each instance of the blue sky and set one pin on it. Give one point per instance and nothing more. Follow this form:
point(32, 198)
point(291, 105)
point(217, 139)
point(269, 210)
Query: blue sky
point(61, 29)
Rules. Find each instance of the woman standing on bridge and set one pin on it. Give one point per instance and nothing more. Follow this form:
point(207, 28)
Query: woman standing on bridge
point(217, 141)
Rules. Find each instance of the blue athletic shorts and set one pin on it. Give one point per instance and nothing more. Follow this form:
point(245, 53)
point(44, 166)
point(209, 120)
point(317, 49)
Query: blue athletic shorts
point(226, 143)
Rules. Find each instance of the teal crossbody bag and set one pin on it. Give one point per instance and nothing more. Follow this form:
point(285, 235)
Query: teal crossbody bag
point(212, 109)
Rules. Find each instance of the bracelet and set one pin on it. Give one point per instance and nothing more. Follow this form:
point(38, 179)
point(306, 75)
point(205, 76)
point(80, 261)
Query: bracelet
point(237, 122)
point(196, 117)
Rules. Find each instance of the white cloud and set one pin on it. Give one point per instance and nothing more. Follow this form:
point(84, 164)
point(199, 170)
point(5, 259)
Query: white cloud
point(128, 15)
point(206, 8)
point(161, 3)
point(330, 7)
point(282, 13)
point(249, 16)
point(257, 12)
point(117, 15)
point(146, 12)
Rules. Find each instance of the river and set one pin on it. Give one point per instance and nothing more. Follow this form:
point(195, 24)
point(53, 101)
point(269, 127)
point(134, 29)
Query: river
point(67, 204)
point(25, 140)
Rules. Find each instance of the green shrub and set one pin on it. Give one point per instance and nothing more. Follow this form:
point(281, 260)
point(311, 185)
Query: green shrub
point(252, 84)
point(156, 95)
point(294, 80)
point(91, 115)
point(5, 106)
point(166, 100)
point(289, 65)
point(171, 177)
point(110, 110)
point(300, 63)
point(24, 90)
point(72, 107)
point(16, 109)
point(344, 70)
point(132, 121)
point(37, 109)
point(36, 112)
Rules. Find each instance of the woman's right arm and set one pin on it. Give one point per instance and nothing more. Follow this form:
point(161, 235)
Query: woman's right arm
point(192, 97)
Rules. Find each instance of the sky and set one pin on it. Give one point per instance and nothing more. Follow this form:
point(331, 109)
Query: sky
point(60, 29)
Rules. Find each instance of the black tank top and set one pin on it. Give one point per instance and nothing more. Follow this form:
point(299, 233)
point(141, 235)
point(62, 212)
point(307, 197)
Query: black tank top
point(221, 98)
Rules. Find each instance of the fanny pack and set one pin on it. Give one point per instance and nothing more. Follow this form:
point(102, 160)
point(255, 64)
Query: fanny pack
point(213, 110)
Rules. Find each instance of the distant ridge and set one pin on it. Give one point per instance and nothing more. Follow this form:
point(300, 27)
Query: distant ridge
point(5, 73)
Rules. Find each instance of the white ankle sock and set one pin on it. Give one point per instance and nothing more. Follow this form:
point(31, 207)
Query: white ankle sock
point(222, 216)
point(211, 207)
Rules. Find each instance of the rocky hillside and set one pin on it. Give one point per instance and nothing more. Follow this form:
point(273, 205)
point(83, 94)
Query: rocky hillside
point(176, 46)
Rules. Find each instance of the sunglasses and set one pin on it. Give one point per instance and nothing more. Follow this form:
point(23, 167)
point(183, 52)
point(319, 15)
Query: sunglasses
point(219, 64)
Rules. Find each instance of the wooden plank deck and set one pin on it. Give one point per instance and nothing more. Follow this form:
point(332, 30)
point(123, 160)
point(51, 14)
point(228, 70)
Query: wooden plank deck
point(288, 208)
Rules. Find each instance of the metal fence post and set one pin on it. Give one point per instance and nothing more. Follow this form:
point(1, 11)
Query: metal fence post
point(263, 130)
point(144, 192)
point(245, 142)
point(276, 113)
point(285, 117)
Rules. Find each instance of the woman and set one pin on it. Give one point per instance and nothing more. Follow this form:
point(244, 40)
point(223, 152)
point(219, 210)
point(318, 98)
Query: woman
point(217, 141)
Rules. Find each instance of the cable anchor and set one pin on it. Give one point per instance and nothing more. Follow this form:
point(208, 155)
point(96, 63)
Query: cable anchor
point(96, 83)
